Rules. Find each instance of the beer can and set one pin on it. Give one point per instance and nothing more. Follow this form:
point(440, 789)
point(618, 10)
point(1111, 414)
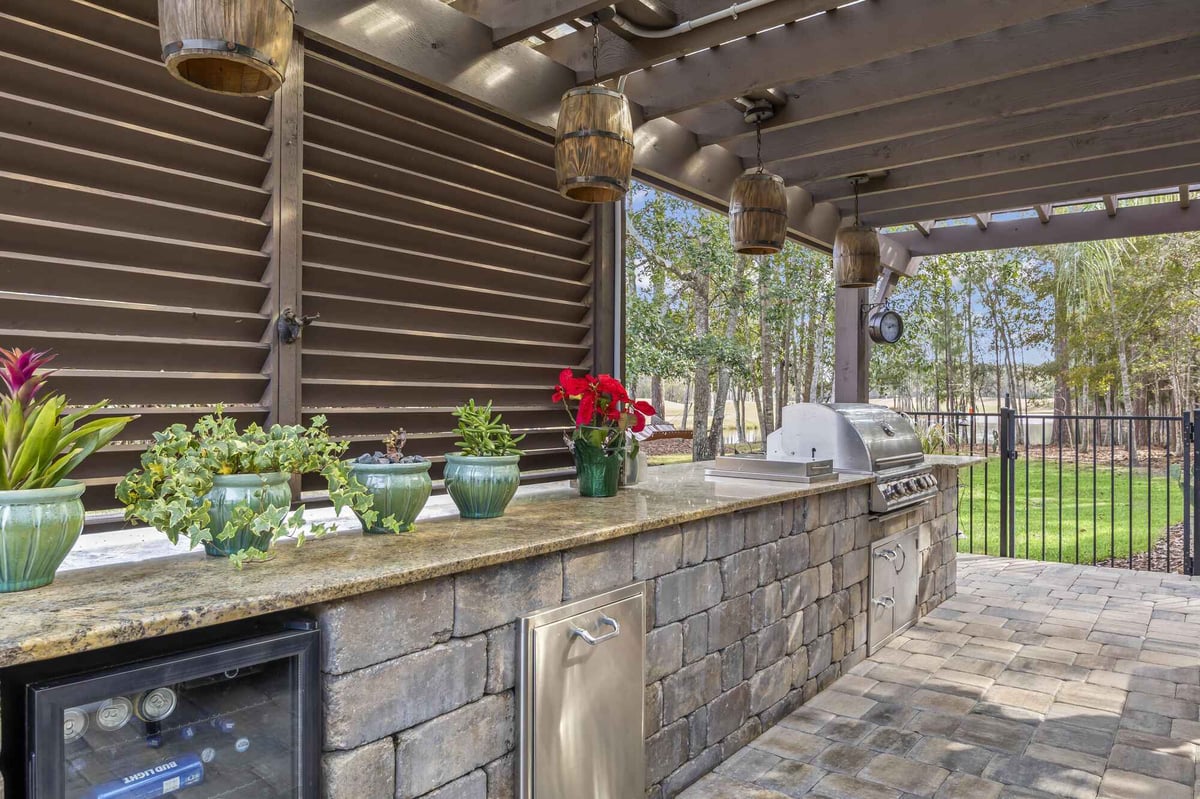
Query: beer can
point(242, 744)
point(75, 724)
point(188, 733)
point(156, 705)
point(224, 725)
point(114, 713)
point(208, 754)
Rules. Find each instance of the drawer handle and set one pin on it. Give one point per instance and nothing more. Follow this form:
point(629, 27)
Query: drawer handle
point(890, 556)
point(885, 601)
point(592, 640)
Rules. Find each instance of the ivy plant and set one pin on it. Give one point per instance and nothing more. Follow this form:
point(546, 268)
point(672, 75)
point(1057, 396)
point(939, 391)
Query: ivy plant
point(483, 433)
point(169, 491)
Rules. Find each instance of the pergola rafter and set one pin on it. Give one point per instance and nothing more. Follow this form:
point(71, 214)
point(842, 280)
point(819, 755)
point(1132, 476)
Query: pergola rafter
point(1094, 32)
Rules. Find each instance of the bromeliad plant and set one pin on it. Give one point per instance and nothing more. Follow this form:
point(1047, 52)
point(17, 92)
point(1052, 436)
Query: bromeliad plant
point(604, 410)
point(40, 442)
point(171, 491)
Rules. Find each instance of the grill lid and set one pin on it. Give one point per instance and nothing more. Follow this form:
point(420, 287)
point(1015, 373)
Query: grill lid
point(858, 437)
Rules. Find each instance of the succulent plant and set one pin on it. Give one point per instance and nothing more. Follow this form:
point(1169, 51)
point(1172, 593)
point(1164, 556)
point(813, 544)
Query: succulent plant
point(482, 432)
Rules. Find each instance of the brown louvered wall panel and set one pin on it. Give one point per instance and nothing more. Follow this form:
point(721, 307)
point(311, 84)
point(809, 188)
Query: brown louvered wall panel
point(443, 263)
point(132, 232)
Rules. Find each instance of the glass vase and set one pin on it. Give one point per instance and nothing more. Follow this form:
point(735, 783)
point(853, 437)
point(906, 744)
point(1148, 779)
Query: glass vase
point(598, 467)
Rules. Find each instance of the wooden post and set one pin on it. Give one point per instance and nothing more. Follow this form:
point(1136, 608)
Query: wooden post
point(608, 274)
point(851, 349)
point(284, 271)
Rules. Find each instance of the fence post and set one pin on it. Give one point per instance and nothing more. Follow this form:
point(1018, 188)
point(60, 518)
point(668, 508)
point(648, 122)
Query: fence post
point(1008, 453)
point(1191, 508)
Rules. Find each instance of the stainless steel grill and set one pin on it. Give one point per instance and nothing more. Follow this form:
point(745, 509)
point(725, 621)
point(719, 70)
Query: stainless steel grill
point(858, 438)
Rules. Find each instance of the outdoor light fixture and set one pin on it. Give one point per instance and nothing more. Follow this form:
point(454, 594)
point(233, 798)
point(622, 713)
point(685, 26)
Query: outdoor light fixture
point(593, 149)
point(856, 250)
point(758, 208)
point(238, 47)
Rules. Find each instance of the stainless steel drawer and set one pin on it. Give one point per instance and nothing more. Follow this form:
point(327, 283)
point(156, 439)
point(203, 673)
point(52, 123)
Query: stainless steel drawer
point(895, 579)
point(581, 699)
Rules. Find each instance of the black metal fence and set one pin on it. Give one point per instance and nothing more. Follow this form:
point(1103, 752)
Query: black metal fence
point(1104, 490)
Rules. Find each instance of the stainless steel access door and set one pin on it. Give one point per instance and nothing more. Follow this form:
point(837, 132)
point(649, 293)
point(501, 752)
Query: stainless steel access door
point(581, 699)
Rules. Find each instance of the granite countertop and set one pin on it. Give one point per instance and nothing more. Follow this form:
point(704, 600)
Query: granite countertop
point(960, 461)
point(99, 606)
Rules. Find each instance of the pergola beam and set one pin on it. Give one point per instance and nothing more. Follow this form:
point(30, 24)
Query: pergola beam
point(1143, 220)
point(511, 22)
point(1044, 212)
point(622, 54)
point(1110, 204)
point(853, 36)
point(1104, 113)
point(1088, 33)
point(1054, 152)
point(972, 192)
point(1119, 74)
point(1027, 197)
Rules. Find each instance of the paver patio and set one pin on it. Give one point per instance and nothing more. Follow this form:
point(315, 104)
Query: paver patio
point(1036, 680)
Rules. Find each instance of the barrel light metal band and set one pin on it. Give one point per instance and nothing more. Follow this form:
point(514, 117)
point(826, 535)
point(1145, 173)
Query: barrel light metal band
point(586, 133)
point(774, 244)
point(604, 90)
point(749, 209)
point(620, 184)
point(219, 46)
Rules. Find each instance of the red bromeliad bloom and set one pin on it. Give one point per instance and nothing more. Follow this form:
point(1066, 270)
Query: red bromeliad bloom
point(18, 370)
point(603, 402)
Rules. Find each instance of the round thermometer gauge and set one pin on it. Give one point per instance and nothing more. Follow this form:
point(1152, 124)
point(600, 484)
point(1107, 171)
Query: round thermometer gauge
point(885, 326)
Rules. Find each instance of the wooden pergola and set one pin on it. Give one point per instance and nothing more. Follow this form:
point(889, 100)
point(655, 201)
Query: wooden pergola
point(992, 112)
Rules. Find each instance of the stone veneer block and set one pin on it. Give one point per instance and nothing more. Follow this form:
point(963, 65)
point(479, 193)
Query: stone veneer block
point(472, 786)
point(453, 745)
point(494, 596)
point(384, 699)
point(686, 592)
point(664, 652)
point(367, 771)
point(401, 621)
point(597, 568)
point(657, 553)
point(501, 658)
point(691, 687)
point(502, 778)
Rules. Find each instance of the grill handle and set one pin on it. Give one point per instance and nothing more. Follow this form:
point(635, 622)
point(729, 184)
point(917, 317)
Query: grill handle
point(898, 460)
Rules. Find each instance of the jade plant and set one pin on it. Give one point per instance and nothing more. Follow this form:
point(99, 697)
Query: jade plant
point(41, 443)
point(171, 489)
point(483, 433)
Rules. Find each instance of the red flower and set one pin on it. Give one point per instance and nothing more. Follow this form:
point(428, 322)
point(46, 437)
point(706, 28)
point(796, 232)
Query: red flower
point(569, 386)
point(641, 410)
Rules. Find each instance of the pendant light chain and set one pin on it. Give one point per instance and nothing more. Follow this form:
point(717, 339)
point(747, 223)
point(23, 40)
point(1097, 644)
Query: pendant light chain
point(596, 49)
point(758, 145)
point(857, 219)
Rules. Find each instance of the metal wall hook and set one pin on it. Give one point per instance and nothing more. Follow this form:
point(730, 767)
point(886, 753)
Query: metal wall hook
point(290, 326)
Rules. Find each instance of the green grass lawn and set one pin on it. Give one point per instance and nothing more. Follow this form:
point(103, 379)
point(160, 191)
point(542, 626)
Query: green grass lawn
point(1054, 517)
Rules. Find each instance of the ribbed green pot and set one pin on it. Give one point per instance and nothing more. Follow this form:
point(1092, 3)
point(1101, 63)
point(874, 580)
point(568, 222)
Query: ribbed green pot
point(397, 489)
point(258, 491)
point(482, 486)
point(38, 527)
point(598, 469)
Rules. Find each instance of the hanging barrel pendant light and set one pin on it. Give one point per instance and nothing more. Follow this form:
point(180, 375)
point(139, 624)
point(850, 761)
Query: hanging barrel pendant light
point(856, 250)
point(758, 206)
point(238, 47)
point(593, 148)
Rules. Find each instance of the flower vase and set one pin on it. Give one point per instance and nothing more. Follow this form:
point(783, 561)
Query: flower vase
point(598, 466)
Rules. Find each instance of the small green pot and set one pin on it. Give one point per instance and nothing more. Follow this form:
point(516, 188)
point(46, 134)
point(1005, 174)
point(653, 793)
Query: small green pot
point(258, 491)
point(598, 469)
point(38, 527)
point(397, 489)
point(482, 486)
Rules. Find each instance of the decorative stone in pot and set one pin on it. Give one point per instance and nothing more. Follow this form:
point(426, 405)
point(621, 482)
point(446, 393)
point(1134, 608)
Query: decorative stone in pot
point(482, 485)
point(399, 490)
point(256, 491)
point(38, 527)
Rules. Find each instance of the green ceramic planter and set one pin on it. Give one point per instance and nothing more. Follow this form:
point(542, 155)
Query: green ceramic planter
point(397, 489)
point(258, 491)
point(38, 527)
point(598, 469)
point(482, 486)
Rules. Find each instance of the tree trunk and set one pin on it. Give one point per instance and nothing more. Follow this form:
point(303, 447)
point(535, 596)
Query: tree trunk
point(716, 433)
point(1123, 362)
point(687, 401)
point(656, 394)
point(702, 449)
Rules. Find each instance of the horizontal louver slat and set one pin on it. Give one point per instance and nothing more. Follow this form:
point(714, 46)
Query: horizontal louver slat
point(132, 232)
